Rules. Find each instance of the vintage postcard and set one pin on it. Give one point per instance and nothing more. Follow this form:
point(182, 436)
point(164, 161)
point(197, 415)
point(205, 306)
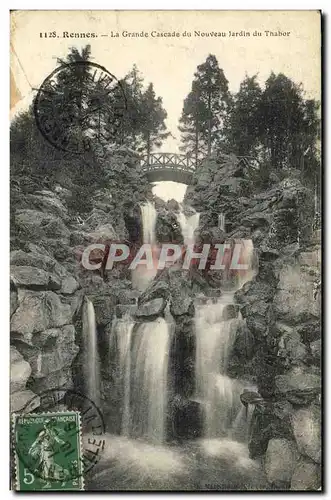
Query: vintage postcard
point(165, 263)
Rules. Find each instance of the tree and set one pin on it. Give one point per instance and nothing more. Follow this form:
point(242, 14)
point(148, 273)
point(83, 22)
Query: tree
point(154, 129)
point(243, 124)
point(133, 119)
point(205, 109)
point(288, 123)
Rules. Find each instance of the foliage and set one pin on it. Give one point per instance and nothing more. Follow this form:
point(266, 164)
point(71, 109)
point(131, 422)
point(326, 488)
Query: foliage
point(144, 121)
point(35, 163)
point(275, 126)
point(242, 131)
point(205, 110)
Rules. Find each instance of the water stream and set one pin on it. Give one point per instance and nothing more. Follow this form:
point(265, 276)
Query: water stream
point(188, 225)
point(90, 355)
point(148, 379)
point(141, 276)
point(216, 325)
point(140, 457)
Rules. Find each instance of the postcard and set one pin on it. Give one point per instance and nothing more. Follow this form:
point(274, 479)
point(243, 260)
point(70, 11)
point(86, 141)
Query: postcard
point(165, 259)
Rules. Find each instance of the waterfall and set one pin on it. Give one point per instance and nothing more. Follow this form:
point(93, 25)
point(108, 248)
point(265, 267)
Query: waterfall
point(148, 380)
point(90, 355)
point(221, 221)
point(149, 216)
point(215, 337)
point(141, 277)
point(141, 362)
point(188, 225)
point(120, 342)
point(216, 330)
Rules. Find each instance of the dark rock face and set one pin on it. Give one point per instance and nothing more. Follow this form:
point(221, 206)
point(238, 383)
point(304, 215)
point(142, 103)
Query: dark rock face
point(182, 358)
point(300, 386)
point(280, 461)
point(306, 424)
point(185, 419)
point(42, 299)
point(181, 301)
point(167, 227)
point(306, 476)
point(151, 309)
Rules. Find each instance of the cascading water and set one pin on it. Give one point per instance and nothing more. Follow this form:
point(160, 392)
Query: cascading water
point(149, 216)
point(90, 355)
point(120, 342)
point(188, 225)
point(221, 221)
point(148, 379)
point(215, 334)
point(141, 277)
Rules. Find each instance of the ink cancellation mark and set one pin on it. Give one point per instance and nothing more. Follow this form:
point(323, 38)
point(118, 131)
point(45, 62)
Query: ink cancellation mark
point(80, 105)
point(55, 450)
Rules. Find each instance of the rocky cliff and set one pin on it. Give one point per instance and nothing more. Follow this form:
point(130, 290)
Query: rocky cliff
point(280, 345)
point(48, 282)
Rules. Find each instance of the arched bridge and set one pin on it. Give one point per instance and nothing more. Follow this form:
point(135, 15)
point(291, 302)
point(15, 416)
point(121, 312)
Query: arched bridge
point(180, 168)
point(168, 167)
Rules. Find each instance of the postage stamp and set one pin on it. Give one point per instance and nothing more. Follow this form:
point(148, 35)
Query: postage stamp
point(80, 105)
point(48, 451)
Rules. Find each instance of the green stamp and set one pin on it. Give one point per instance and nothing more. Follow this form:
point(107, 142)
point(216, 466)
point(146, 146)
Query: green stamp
point(48, 451)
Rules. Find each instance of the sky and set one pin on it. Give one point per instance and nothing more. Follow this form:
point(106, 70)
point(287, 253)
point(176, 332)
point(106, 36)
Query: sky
point(168, 62)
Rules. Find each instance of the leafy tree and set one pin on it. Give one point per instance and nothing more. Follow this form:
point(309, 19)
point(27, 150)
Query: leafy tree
point(282, 122)
point(243, 124)
point(35, 163)
point(132, 121)
point(154, 129)
point(205, 109)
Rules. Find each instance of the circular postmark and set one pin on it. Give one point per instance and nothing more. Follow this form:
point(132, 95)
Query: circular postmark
point(58, 443)
point(79, 106)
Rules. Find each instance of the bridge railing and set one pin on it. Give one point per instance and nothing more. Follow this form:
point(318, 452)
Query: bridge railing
point(174, 161)
point(159, 161)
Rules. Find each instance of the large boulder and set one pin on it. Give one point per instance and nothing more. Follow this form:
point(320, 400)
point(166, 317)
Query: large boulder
point(24, 399)
point(35, 225)
point(38, 260)
point(158, 288)
point(104, 306)
point(55, 380)
point(52, 350)
point(294, 301)
point(291, 349)
point(306, 476)
point(31, 277)
point(38, 311)
point(181, 301)
point(306, 424)
point(299, 385)
point(151, 309)
point(280, 461)
point(48, 202)
point(20, 371)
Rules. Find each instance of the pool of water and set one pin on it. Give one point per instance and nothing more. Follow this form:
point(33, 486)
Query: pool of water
point(206, 464)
